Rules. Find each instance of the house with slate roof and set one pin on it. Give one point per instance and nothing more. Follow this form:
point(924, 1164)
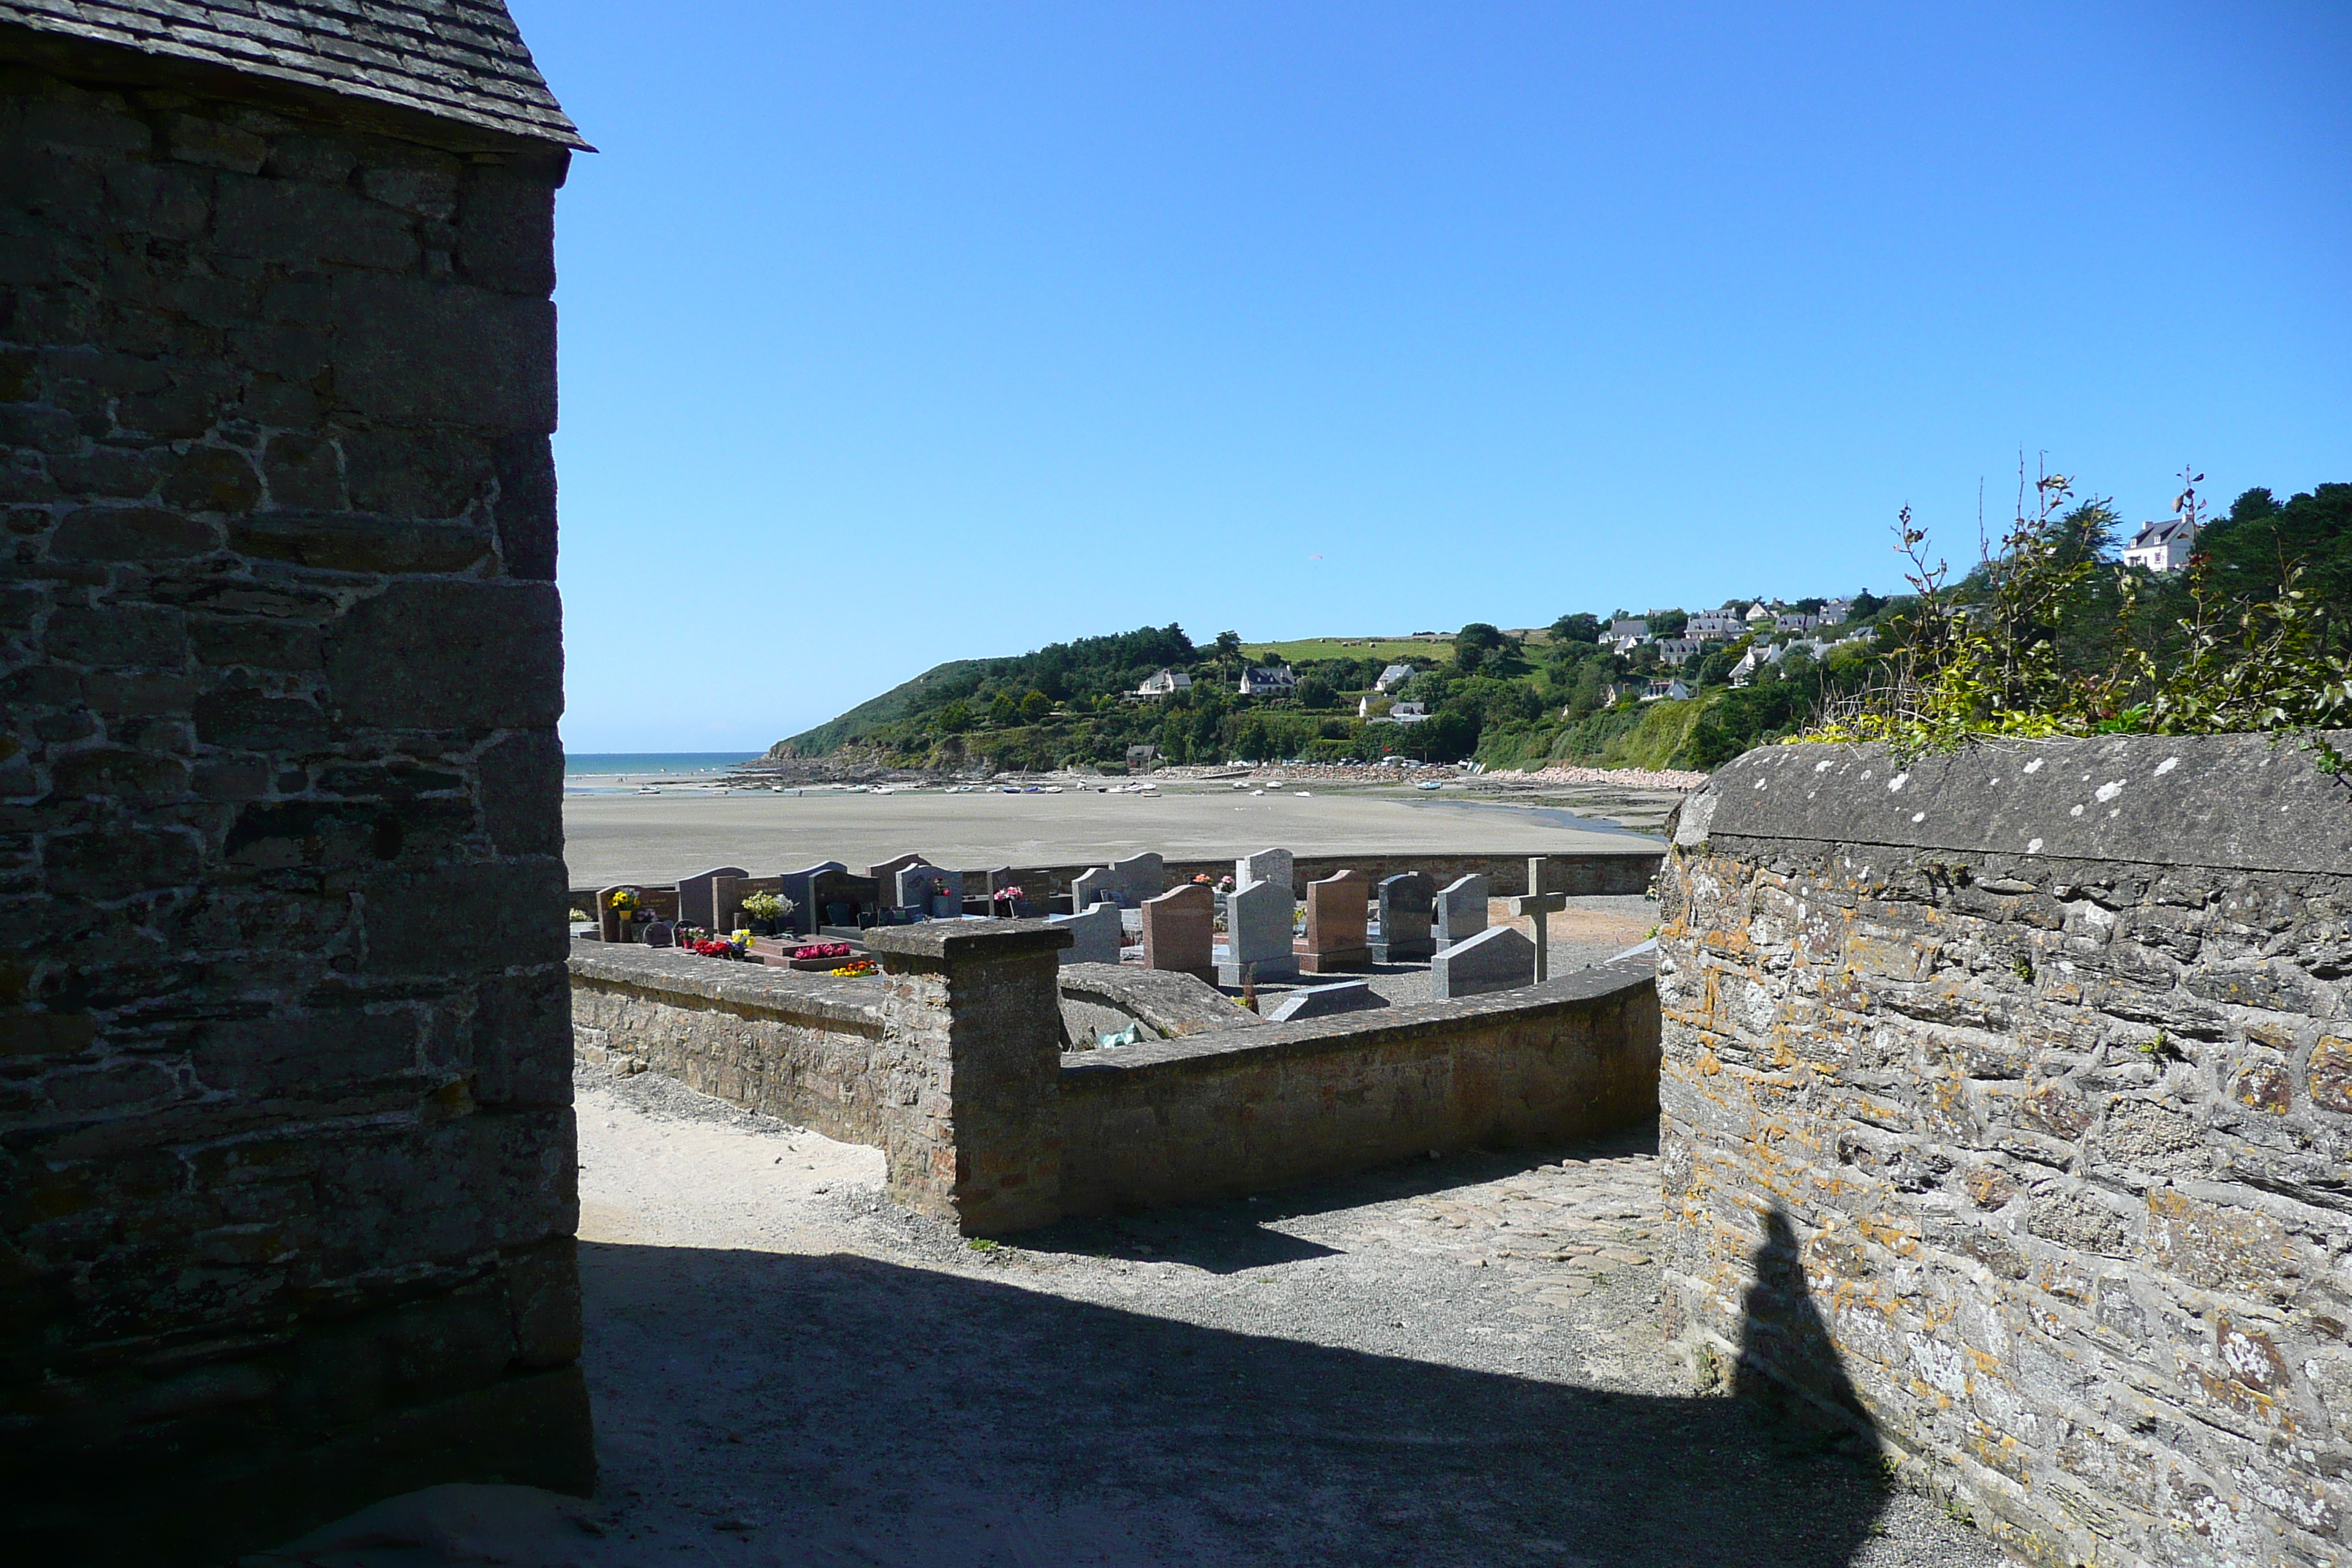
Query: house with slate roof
point(2162, 546)
point(288, 1131)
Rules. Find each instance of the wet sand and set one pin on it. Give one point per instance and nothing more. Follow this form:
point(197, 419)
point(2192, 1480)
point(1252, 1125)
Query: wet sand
point(661, 838)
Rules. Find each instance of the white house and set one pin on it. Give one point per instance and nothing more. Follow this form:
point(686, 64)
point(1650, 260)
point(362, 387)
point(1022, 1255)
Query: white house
point(1276, 681)
point(1665, 690)
point(1755, 659)
point(1165, 683)
point(1392, 677)
point(1403, 714)
point(1837, 612)
point(1758, 613)
point(1676, 650)
point(1795, 621)
point(2161, 546)
point(1716, 625)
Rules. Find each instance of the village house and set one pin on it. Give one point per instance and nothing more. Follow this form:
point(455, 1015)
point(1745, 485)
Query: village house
point(1666, 690)
point(1758, 613)
point(2162, 546)
point(1677, 650)
point(1392, 677)
point(1795, 621)
point(1716, 625)
point(1275, 681)
point(1167, 683)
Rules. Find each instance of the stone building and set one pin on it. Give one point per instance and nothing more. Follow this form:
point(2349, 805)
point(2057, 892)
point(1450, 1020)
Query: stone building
point(286, 1150)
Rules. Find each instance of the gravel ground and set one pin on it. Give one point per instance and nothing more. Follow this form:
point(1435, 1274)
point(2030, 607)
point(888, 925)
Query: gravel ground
point(1451, 1362)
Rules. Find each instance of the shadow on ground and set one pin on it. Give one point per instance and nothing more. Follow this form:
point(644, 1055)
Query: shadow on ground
point(1230, 1237)
point(836, 1410)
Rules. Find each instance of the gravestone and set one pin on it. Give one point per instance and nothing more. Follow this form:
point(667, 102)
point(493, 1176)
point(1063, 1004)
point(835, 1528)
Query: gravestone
point(1257, 934)
point(1496, 959)
point(1275, 865)
point(1407, 900)
point(886, 873)
point(609, 924)
point(696, 903)
point(805, 916)
point(912, 888)
point(1091, 888)
point(1536, 907)
point(1179, 932)
point(1461, 912)
point(1323, 1001)
point(1094, 935)
point(661, 933)
point(1143, 876)
point(843, 901)
point(1337, 908)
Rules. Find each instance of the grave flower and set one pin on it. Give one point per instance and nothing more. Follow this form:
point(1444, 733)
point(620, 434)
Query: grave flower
point(623, 900)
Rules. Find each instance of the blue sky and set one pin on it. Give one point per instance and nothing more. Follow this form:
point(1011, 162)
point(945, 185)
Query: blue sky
point(894, 334)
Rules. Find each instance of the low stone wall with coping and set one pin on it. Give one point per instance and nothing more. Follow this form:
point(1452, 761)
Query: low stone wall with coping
point(1213, 1114)
point(2034, 1066)
point(950, 1062)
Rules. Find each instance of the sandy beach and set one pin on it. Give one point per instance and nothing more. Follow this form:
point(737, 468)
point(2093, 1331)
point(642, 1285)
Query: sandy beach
point(659, 838)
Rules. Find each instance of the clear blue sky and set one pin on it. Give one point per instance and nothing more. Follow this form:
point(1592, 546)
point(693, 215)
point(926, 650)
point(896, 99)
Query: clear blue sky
point(894, 334)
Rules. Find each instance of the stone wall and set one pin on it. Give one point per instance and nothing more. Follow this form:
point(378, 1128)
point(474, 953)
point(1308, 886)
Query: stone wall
point(1214, 1114)
point(942, 1062)
point(285, 1112)
point(2034, 1063)
point(950, 1063)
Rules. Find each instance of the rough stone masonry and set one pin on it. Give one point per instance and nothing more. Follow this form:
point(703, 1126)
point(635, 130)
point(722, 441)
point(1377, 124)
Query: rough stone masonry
point(2033, 1064)
point(285, 1144)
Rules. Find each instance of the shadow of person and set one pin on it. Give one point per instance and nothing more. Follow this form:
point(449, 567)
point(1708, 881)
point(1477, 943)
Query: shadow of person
point(1789, 1367)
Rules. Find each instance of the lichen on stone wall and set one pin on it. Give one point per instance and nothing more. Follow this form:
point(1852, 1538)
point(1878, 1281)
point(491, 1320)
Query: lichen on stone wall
point(2053, 1107)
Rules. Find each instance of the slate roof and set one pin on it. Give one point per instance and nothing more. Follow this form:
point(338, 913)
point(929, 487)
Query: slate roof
point(2171, 531)
point(454, 59)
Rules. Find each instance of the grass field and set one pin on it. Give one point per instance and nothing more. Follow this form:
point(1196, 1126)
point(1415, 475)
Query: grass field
point(1401, 649)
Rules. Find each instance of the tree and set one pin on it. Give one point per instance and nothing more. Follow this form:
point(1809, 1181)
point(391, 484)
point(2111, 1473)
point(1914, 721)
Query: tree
point(1316, 692)
point(1579, 627)
point(1474, 643)
point(1035, 707)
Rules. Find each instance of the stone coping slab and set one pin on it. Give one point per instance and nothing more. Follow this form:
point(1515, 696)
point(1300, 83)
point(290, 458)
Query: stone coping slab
point(1174, 1003)
point(943, 939)
point(2245, 803)
point(1212, 1051)
point(834, 999)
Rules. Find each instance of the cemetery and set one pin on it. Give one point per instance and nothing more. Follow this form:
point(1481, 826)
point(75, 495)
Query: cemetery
point(1130, 1033)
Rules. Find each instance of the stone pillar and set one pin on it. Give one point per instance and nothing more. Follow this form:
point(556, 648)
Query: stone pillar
point(974, 1028)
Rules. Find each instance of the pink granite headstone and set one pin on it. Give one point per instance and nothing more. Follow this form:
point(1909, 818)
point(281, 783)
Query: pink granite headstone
point(1337, 911)
point(1179, 932)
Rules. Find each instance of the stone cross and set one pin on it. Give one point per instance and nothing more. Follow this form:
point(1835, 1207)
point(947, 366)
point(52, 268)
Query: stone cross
point(1536, 907)
point(1335, 923)
point(1179, 932)
point(1460, 910)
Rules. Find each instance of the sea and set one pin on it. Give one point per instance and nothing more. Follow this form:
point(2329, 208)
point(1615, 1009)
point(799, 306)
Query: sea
point(625, 772)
